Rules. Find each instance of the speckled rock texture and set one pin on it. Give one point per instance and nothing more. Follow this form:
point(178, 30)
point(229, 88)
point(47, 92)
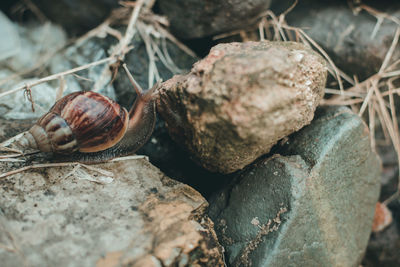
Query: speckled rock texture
point(352, 38)
point(194, 18)
point(77, 16)
point(236, 103)
point(313, 205)
point(69, 216)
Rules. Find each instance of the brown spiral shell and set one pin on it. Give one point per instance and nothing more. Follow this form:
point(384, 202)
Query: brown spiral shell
point(81, 121)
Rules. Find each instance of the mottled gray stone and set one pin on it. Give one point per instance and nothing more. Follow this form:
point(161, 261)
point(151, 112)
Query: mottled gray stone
point(194, 18)
point(323, 186)
point(77, 217)
point(52, 217)
point(77, 16)
point(348, 36)
point(242, 98)
point(10, 45)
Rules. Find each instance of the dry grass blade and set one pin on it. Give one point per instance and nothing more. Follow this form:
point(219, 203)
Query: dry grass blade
point(371, 115)
point(52, 165)
point(389, 54)
point(393, 108)
point(366, 101)
point(56, 76)
point(378, 14)
point(75, 164)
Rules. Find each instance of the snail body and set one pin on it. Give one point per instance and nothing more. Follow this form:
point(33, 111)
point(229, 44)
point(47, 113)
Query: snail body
point(90, 127)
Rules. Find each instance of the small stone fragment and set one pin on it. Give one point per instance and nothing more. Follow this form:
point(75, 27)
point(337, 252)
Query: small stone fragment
point(382, 217)
point(56, 217)
point(314, 205)
point(241, 99)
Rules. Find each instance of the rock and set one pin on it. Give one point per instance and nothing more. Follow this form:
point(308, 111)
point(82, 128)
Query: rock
point(194, 18)
point(312, 206)
point(10, 45)
point(240, 100)
point(382, 218)
point(348, 36)
point(66, 216)
point(76, 16)
point(37, 42)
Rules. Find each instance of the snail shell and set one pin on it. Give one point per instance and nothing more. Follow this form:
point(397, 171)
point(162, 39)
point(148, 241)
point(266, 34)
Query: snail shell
point(81, 121)
point(93, 128)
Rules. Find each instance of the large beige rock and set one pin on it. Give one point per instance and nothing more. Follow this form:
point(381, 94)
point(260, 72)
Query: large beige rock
point(236, 103)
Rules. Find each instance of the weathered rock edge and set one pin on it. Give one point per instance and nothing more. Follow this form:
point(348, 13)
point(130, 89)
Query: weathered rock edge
point(141, 218)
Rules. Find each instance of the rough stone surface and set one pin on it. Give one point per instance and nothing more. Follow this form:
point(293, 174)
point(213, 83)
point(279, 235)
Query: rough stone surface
point(241, 99)
point(194, 19)
point(52, 217)
point(77, 16)
point(347, 36)
point(323, 188)
point(11, 45)
point(78, 217)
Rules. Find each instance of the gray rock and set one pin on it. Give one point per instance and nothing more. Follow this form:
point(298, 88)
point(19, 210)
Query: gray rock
point(348, 37)
point(194, 18)
point(10, 45)
point(37, 42)
point(76, 16)
point(64, 216)
point(240, 100)
point(311, 206)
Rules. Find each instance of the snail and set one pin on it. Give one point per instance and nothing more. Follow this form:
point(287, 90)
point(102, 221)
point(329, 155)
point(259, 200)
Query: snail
point(90, 127)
